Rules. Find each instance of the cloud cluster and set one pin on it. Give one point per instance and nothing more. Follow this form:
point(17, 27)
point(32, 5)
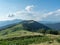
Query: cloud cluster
point(52, 16)
point(29, 14)
point(53, 13)
point(5, 17)
point(11, 15)
point(29, 8)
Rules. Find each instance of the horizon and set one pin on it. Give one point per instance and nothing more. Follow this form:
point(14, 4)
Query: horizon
point(38, 10)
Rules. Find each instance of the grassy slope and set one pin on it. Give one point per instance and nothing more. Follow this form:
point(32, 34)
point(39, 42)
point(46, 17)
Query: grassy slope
point(35, 39)
point(54, 40)
point(32, 40)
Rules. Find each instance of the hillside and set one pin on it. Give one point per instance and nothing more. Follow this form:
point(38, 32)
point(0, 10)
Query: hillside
point(24, 26)
point(25, 33)
point(32, 25)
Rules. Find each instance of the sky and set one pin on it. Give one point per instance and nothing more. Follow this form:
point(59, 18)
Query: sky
point(39, 10)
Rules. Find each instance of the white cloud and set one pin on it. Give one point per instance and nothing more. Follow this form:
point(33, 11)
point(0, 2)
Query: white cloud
point(29, 8)
point(28, 14)
point(32, 15)
point(11, 15)
point(3, 18)
point(58, 10)
point(53, 13)
point(25, 14)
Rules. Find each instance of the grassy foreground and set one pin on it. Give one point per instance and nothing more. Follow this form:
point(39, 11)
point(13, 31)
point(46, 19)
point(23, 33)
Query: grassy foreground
point(26, 40)
point(31, 40)
point(23, 37)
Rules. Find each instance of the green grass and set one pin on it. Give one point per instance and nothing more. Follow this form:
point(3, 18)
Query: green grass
point(25, 41)
point(58, 40)
point(16, 35)
point(23, 37)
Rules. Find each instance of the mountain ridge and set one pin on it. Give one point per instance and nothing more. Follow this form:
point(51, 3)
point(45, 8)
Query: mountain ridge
point(4, 23)
point(29, 25)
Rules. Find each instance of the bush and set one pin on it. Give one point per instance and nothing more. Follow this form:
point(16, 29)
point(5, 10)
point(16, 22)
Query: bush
point(58, 40)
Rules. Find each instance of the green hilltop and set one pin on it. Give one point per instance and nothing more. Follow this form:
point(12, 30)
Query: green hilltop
point(27, 32)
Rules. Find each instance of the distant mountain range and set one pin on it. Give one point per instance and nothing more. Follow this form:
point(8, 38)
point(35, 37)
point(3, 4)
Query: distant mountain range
point(52, 25)
point(30, 25)
point(55, 26)
point(4, 23)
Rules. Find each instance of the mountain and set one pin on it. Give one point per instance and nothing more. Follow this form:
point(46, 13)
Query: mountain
point(48, 22)
point(32, 25)
point(24, 28)
point(4, 23)
point(55, 26)
point(29, 25)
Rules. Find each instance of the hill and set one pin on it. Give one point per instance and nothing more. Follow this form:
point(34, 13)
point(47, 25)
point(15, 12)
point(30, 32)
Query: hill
point(25, 33)
point(24, 26)
point(32, 25)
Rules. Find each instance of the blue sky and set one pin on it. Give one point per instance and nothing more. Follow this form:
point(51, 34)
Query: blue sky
point(40, 10)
